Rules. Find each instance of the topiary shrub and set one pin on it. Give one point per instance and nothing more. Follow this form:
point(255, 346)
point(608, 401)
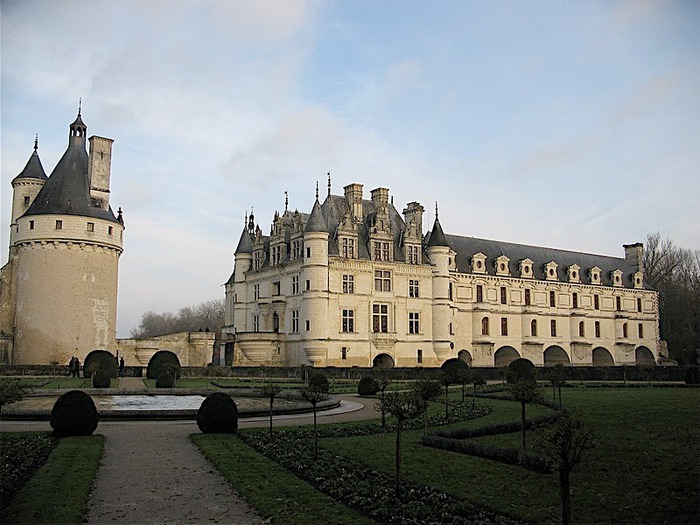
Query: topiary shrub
point(99, 360)
point(74, 414)
point(218, 414)
point(367, 386)
point(521, 369)
point(100, 379)
point(165, 380)
point(160, 362)
point(319, 382)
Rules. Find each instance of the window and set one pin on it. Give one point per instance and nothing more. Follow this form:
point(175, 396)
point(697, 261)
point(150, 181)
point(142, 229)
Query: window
point(528, 298)
point(485, 326)
point(596, 302)
point(382, 280)
point(308, 284)
point(450, 291)
point(574, 300)
point(504, 326)
point(31, 225)
point(413, 322)
point(413, 255)
point(295, 284)
point(597, 328)
point(308, 251)
point(348, 284)
point(450, 328)
point(413, 290)
point(640, 327)
point(348, 319)
point(296, 249)
point(624, 331)
point(257, 260)
point(639, 304)
point(552, 298)
point(348, 249)
point(276, 255)
point(276, 288)
point(380, 318)
point(59, 224)
point(110, 229)
point(344, 353)
point(295, 321)
point(504, 295)
point(26, 201)
point(553, 327)
point(382, 251)
point(256, 292)
point(533, 327)
point(618, 303)
point(419, 355)
point(581, 329)
point(256, 323)
point(308, 325)
point(479, 293)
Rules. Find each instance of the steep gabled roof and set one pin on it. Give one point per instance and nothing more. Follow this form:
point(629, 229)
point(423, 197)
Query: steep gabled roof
point(33, 169)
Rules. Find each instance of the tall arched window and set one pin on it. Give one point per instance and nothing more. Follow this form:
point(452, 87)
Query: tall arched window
point(581, 329)
point(485, 326)
point(624, 331)
point(533, 327)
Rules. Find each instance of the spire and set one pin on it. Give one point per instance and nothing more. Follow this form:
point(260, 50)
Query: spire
point(286, 201)
point(437, 236)
point(36, 142)
point(329, 183)
point(245, 244)
point(316, 191)
point(33, 169)
point(78, 129)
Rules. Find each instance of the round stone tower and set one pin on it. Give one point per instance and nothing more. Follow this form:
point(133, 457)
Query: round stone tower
point(64, 255)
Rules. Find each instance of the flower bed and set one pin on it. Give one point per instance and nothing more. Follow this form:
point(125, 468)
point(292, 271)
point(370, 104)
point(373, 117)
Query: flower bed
point(21, 455)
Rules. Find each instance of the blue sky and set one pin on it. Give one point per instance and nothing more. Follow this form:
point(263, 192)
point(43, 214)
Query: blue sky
point(566, 124)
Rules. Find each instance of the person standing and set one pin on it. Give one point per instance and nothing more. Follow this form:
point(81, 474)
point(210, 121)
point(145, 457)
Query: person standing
point(121, 366)
point(76, 367)
point(71, 366)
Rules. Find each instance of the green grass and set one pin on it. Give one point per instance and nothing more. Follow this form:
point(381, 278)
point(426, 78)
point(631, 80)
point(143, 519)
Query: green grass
point(271, 489)
point(56, 382)
point(59, 491)
point(644, 469)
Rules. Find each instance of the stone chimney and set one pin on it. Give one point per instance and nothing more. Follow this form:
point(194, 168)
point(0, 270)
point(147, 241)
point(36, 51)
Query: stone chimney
point(99, 171)
point(634, 255)
point(380, 199)
point(353, 196)
point(414, 212)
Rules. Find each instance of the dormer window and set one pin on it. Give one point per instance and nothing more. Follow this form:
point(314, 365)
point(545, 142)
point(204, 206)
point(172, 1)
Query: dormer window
point(550, 271)
point(617, 277)
point(574, 273)
point(526, 269)
point(638, 280)
point(479, 263)
point(501, 266)
point(594, 275)
point(347, 247)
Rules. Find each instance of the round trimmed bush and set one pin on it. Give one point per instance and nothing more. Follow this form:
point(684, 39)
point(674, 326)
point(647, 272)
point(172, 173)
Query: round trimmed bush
point(218, 414)
point(521, 369)
point(99, 360)
point(319, 382)
point(165, 380)
point(74, 414)
point(367, 386)
point(100, 379)
point(162, 361)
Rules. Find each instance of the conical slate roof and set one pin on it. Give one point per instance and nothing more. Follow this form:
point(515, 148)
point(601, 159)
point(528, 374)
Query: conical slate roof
point(33, 169)
point(437, 236)
point(316, 222)
point(245, 245)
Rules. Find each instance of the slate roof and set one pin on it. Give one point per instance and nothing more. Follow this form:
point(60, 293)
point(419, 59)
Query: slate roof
point(316, 222)
point(33, 168)
point(245, 244)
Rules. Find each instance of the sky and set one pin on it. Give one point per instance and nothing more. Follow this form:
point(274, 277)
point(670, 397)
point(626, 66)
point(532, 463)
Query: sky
point(573, 125)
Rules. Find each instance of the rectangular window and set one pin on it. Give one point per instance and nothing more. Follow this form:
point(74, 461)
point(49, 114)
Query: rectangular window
point(640, 328)
point(533, 327)
point(91, 226)
point(109, 230)
point(348, 321)
point(574, 300)
point(348, 284)
point(639, 304)
point(295, 321)
point(504, 293)
point(553, 327)
point(528, 298)
point(413, 290)
point(308, 284)
point(26, 201)
point(382, 251)
point(413, 255)
point(413, 322)
point(618, 303)
point(348, 248)
point(31, 225)
point(624, 331)
point(419, 355)
point(479, 293)
point(552, 298)
point(596, 302)
point(597, 328)
point(295, 284)
point(308, 252)
point(59, 224)
point(256, 323)
point(308, 325)
point(382, 280)
point(257, 260)
point(276, 288)
point(380, 318)
point(504, 326)
point(256, 292)
point(344, 353)
point(450, 292)
point(581, 329)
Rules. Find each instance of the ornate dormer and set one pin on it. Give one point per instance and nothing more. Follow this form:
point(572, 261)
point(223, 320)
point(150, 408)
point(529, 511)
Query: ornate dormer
point(479, 263)
point(616, 277)
point(258, 249)
point(381, 238)
point(638, 279)
point(347, 236)
point(525, 269)
point(278, 239)
point(594, 275)
point(550, 271)
point(413, 235)
point(501, 266)
point(574, 273)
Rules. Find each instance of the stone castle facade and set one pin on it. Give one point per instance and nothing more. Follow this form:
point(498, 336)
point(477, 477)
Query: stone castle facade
point(355, 283)
point(58, 290)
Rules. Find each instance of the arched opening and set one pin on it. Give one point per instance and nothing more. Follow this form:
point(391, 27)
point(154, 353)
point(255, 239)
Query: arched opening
point(465, 356)
point(100, 360)
point(160, 361)
point(275, 322)
point(644, 357)
point(383, 361)
point(556, 355)
point(505, 356)
point(601, 357)
point(485, 326)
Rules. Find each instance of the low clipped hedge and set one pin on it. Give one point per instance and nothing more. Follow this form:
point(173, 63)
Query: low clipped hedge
point(21, 455)
point(74, 414)
point(218, 414)
point(367, 386)
point(165, 380)
point(100, 379)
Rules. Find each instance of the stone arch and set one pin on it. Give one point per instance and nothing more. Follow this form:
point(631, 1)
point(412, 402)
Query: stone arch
point(383, 361)
point(643, 356)
point(100, 359)
point(465, 356)
point(601, 357)
point(556, 355)
point(158, 360)
point(505, 356)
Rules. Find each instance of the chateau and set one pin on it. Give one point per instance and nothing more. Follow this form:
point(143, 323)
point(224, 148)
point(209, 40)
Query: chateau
point(355, 283)
point(58, 290)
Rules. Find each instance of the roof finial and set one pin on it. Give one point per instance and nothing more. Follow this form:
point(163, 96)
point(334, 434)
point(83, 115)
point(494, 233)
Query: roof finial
point(36, 142)
point(286, 201)
point(436, 210)
point(329, 183)
point(80, 105)
point(316, 190)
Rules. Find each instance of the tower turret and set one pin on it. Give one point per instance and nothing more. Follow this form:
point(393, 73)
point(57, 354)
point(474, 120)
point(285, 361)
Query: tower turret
point(440, 255)
point(25, 188)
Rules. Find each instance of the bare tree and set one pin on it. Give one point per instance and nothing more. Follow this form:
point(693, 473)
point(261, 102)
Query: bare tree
point(270, 391)
point(207, 316)
point(315, 393)
point(524, 391)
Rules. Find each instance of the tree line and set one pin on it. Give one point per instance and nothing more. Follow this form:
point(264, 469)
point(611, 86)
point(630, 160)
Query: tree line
point(207, 316)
